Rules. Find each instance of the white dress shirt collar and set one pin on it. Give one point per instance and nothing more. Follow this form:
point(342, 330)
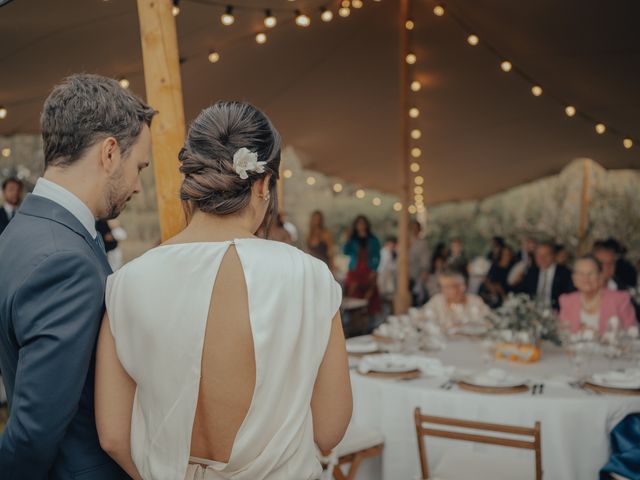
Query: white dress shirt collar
point(63, 197)
point(9, 209)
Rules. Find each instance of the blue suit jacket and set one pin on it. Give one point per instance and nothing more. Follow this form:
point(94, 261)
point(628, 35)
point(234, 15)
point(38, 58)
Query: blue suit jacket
point(52, 281)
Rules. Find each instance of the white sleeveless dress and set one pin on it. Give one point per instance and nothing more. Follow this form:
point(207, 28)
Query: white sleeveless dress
point(158, 307)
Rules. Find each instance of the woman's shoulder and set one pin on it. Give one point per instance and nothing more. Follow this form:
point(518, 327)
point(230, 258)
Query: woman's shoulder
point(569, 298)
point(616, 295)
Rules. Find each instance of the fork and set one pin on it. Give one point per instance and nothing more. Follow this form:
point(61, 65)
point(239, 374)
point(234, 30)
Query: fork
point(534, 389)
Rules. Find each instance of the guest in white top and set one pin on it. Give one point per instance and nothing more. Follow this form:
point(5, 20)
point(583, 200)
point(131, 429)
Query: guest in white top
point(453, 307)
point(12, 193)
point(222, 355)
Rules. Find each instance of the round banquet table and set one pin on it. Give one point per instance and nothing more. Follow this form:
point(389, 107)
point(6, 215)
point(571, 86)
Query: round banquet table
point(575, 424)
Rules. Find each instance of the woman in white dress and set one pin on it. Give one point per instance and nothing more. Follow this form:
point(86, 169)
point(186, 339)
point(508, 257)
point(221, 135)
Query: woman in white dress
point(221, 355)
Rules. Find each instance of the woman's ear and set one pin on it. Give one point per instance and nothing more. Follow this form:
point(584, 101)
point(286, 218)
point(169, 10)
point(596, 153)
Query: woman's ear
point(264, 188)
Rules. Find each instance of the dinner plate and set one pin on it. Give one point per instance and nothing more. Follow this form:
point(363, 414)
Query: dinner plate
point(486, 379)
point(621, 380)
point(389, 363)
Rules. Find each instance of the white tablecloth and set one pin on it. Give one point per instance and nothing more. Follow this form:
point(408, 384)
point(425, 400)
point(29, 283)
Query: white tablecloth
point(575, 425)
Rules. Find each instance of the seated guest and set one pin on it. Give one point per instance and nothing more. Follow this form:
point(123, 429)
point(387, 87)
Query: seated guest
point(524, 260)
point(563, 256)
point(547, 280)
point(497, 243)
point(495, 286)
point(593, 304)
point(618, 273)
point(453, 307)
point(457, 258)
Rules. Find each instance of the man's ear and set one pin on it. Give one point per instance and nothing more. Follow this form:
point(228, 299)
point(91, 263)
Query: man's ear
point(109, 154)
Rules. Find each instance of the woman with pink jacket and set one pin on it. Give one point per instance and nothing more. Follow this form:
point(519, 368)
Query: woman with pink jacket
point(593, 305)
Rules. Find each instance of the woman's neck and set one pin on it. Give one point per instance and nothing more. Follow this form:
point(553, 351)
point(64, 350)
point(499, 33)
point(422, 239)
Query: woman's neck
point(205, 227)
point(592, 294)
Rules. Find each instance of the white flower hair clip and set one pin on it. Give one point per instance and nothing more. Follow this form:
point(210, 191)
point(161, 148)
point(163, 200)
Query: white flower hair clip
point(245, 161)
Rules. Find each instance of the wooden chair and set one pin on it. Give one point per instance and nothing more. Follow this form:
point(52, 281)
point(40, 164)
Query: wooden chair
point(357, 445)
point(423, 429)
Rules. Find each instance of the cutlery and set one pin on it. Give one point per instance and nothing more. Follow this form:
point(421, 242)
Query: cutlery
point(541, 389)
point(534, 390)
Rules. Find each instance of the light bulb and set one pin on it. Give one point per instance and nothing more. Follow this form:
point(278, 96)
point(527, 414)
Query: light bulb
point(6, 152)
point(438, 10)
point(418, 198)
point(397, 206)
point(416, 152)
point(412, 209)
point(326, 15)
point(360, 194)
point(536, 90)
point(227, 17)
point(311, 180)
point(570, 111)
point(411, 58)
point(269, 20)
point(345, 3)
point(506, 66)
point(418, 190)
point(416, 86)
point(600, 128)
point(418, 180)
point(175, 10)
point(3, 112)
point(414, 112)
point(337, 187)
point(473, 40)
point(628, 143)
point(344, 12)
point(414, 167)
point(214, 56)
point(416, 134)
point(302, 20)
point(356, 3)
point(409, 25)
point(124, 83)
point(287, 173)
point(377, 201)
point(261, 38)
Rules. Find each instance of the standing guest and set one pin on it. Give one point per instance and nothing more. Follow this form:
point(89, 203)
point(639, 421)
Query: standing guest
point(363, 250)
point(418, 264)
point(278, 233)
point(547, 280)
point(457, 259)
point(453, 306)
point(53, 271)
point(12, 193)
point(497, 243)
point(593, 304)
point(563, 256)
point(438, 263)
point(320, 240)
point(388, 268)
point(496, 286)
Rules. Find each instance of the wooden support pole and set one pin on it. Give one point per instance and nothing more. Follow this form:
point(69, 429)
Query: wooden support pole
point(164, 93)
point(585, 200)
point(402, 300)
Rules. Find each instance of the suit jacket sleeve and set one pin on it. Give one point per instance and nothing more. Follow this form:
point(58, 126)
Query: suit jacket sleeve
point(56, 314)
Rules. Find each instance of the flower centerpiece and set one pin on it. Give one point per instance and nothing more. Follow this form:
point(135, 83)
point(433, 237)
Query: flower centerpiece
point(519, 325)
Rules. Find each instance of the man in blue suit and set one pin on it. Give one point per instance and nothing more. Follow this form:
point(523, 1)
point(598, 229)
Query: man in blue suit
point(53, 269)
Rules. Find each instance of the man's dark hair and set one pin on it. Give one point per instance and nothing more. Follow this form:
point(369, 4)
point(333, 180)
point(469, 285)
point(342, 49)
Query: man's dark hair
point(85, 109)
point(9, 180)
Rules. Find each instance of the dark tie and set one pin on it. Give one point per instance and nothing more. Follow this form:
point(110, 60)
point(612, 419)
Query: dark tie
point(100, 242)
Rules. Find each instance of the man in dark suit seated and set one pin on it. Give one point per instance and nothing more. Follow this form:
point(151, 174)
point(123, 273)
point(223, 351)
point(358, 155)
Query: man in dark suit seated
point(618, 273)
point(547, 280)
point(12, 193)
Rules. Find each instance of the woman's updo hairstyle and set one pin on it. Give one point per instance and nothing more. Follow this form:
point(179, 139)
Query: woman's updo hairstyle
point(211, 183)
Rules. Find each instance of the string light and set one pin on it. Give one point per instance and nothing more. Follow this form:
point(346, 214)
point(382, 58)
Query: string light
point(411, 58)
point(628, 143)
point(344, 12)
point(227, 17)
point(302, 20)
point(287, 173)
point(3, 112)
point(416, 134)
point(536, 90)
point(311, 181)
point(414, 167)
point(570, 110)
point(261, 38)
point(377, 201)
point(506, 66)
point(124, 83)
point(418, 180)
point(337, 187)
point(345, 3)
point(214, 56)
point(416, 152)
point(409, 25)
point(397, 206)
point(414, 112)
point(175, 10)
point(418, 190)
point(600, 128)
point(360, 194)
point(438, 10)
point(326, 15)
point(412, 209)
point(419, 198)
point(473, 40)
point(356, 3)
point(416, 86)
point(6, 152)
point(269, 20)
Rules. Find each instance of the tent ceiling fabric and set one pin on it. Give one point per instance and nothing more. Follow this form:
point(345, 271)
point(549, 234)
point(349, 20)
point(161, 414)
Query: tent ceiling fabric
point(333, 91)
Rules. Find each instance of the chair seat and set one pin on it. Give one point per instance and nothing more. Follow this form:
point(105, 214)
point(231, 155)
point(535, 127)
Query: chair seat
point(357, 439)
point(464, 464)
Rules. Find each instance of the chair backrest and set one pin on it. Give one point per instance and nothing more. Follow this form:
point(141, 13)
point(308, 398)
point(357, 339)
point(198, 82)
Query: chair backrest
point(423, 429)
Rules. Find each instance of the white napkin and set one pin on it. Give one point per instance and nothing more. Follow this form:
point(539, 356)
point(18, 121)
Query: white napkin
point(361, 345)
